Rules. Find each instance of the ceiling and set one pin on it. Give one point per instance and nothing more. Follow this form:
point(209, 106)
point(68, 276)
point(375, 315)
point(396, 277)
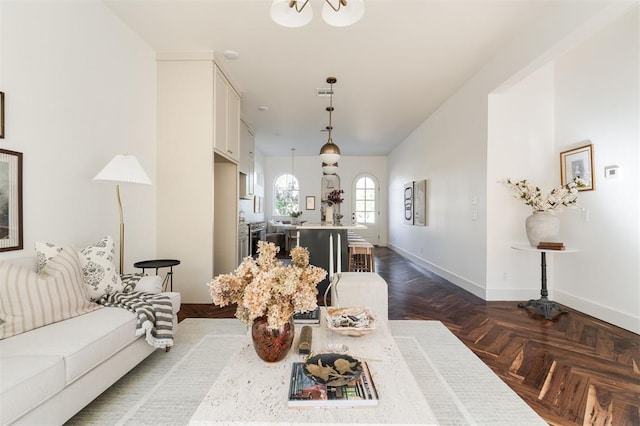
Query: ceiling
point(393, 68)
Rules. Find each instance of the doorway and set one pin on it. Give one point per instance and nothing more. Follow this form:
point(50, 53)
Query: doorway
point(365, 208)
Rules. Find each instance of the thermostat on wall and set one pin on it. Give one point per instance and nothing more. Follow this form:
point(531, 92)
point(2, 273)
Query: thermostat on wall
point(612, 172)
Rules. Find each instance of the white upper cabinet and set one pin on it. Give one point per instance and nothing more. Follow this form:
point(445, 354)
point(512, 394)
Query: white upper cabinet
point(246, 165)
point(226, 117)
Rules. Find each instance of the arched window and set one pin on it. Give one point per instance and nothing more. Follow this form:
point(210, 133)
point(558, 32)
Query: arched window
point(365, 200)
point(286, 195)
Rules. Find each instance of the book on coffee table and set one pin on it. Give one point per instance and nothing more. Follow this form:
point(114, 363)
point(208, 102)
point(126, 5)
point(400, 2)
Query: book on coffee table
point(310, 317)
point(304, 392)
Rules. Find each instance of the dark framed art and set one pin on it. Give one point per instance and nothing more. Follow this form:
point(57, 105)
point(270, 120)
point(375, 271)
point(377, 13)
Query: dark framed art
point(408, 203)
point(578, 163)
point(1, 115)
point(311, 202)
point(11, 235)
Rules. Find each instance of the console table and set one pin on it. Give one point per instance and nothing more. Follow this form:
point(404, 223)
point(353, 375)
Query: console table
point(544, 305)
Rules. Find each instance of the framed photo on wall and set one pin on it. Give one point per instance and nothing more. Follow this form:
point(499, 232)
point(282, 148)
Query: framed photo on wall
point(310, 202)
point(408, 203)
point(11, 235)
point(578, 163)
point(420, 202)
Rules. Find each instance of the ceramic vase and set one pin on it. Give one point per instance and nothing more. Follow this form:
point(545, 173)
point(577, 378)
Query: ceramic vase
point(272, 345)
point(542, 226)
point(328, 214)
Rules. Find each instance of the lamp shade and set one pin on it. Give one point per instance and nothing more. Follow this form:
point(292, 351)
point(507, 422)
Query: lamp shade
point(288, 16)
point(123, 168)
point(346, 15)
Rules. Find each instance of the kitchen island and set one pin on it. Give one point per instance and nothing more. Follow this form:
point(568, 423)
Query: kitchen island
point(316, 237)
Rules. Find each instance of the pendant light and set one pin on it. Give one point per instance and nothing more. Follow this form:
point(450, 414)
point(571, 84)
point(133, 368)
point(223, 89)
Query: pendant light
point(330, 153)
point(338, 13)
point(329, 169)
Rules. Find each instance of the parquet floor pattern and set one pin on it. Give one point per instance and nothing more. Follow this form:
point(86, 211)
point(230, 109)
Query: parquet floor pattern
point(572, 370)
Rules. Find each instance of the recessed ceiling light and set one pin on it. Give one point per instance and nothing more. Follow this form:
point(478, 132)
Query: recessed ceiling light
point(232, 55)
point(263, 108)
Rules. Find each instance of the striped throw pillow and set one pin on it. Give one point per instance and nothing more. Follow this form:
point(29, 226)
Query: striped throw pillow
point(29, 300)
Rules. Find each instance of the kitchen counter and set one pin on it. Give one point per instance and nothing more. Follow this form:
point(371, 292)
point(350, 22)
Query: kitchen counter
point(324, 225)
point(316, 237)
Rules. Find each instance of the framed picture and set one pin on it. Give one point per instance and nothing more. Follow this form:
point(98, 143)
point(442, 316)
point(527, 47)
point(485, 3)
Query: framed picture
point(578, 163)
point(420, 202)
point(11, 235)
point(258, 204)
point(1, 115)
point(408, 203)
point(311, 202)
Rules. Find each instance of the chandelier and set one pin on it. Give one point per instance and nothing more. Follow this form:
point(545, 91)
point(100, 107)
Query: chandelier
point(292, 13)
point(330, 153)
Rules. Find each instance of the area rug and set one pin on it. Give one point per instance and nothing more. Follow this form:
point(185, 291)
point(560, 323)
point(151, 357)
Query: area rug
point(167, 387)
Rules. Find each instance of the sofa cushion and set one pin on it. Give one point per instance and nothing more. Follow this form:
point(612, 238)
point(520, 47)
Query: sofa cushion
point(140, 282)
point(83, 342)
point(99, 271)
point(29, 300)
point(150, 284)
point(26, 382)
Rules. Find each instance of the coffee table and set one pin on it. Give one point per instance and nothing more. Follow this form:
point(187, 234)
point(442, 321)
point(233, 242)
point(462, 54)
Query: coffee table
point(250, 391)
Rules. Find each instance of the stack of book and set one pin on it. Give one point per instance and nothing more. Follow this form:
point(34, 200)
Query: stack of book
point(546, 245)
point(311, 317)
point(304, 392)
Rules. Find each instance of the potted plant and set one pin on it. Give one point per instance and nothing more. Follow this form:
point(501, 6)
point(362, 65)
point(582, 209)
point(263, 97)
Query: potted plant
point(267, 294)
point(334, 198)
point(294, 216)
point(542, 224)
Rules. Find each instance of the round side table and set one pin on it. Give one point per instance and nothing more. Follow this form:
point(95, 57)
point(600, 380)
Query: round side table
point(157, 264)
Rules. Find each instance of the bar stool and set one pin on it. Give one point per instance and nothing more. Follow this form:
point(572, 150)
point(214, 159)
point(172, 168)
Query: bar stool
point(361, 257)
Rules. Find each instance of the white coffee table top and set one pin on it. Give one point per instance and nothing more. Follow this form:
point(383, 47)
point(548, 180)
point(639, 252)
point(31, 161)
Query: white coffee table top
point(250, 391)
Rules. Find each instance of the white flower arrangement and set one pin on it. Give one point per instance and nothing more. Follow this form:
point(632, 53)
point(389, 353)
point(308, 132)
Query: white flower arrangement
point(559, 197)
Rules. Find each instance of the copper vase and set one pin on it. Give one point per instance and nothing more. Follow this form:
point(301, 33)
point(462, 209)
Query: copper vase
point(272, 344)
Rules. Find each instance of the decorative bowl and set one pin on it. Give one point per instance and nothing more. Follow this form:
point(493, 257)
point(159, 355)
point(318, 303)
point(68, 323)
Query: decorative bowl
point(332, 369)
point(354, 321)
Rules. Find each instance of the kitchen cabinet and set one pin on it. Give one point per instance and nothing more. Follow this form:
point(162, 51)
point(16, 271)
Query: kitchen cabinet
point(197, 183)
point(246, 166)
point(226, 117)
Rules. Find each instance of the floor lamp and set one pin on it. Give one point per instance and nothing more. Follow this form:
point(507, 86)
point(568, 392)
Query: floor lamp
point(123, 168)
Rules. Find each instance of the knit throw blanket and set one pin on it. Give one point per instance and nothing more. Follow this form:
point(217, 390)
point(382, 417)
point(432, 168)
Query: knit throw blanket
point(153, 311)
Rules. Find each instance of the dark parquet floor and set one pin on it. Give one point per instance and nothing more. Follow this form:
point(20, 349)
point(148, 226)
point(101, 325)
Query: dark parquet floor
point(572, 370)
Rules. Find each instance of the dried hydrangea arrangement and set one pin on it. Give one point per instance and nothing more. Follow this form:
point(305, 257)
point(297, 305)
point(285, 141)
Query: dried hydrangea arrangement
point(267, 287)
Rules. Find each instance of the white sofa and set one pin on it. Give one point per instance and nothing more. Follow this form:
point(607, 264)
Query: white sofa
point(50, 373)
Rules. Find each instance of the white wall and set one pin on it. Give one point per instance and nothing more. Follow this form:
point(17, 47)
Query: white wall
point(308, 170)
point(186, 173)
point(598, 99)
point(521, 146)
point(453, 149)
point(80, 88)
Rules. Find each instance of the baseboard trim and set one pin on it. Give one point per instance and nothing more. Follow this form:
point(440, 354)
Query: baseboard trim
point(599, 311)
point(461, 282)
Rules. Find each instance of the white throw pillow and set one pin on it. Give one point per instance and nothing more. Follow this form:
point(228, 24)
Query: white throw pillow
point(99, 271)
point(30, 300)
point(149, 284)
